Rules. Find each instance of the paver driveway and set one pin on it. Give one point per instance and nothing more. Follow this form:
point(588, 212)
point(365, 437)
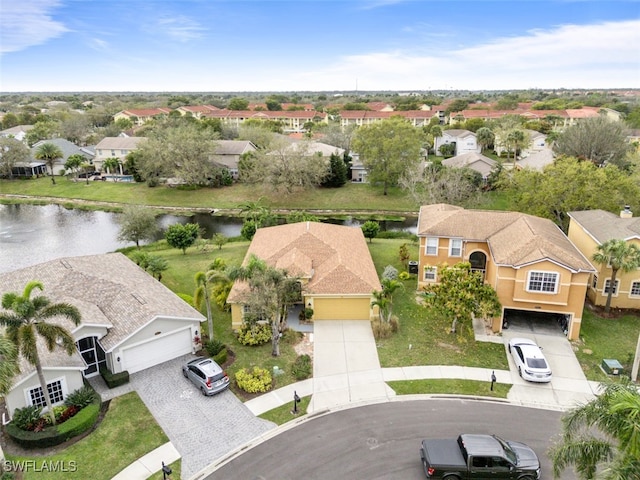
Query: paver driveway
point(201, 428)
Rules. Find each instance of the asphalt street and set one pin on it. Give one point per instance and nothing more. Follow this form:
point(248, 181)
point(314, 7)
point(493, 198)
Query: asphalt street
point(381, 441)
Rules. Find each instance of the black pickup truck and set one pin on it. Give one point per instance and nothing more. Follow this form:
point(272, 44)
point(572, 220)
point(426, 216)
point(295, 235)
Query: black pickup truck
point(478, 457)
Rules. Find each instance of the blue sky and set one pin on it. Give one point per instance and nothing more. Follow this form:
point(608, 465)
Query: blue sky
point(317, 45)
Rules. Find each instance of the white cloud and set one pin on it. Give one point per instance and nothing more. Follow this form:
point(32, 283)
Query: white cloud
point(573, 56)
point(24, 24)
point(181, 28)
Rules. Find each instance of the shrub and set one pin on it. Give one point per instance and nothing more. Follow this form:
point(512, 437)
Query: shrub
point(81, 397)
point(114, 380)
point(291, 337)
point(302, 367)
point(257, 334)
point(404, 275)
point(68, 413)
point(390, 272)
point(80, 423)
point(58, 410)
point(381, 329)
point(257, 380)
point(221, 357)
point(395, 324)
point(27, 417)
point(214, 347)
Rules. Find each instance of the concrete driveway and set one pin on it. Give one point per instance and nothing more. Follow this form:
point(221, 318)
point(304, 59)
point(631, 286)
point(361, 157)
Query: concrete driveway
point(201, 428)
point(568, 384)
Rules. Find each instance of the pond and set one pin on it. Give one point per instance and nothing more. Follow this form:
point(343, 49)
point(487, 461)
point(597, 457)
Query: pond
point(31, 234)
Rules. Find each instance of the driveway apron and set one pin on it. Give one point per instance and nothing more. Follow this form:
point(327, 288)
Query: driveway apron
point(202, 429)
point(346, 368)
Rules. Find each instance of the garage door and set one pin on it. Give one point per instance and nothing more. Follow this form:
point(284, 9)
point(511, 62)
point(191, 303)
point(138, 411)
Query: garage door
point(157, 350)
point(341, 308)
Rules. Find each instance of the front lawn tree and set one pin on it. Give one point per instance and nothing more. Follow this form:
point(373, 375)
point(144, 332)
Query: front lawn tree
point(182, 236)
point(619, 256)
point(603, 433)
point(387, 149)
point(49, 153)
point(383, 298)
point(269, 294)
point(26, 320)
point(461, 294)
point(137, 223)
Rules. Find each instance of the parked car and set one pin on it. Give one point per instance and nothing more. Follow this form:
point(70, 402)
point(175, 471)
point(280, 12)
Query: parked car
point(207, 375)
point(529, 360)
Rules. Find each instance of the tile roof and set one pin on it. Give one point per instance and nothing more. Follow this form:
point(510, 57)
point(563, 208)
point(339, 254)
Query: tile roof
point(335, 258)
point(475, 161)
point(604, 226)
point(108, 289)
point(366, 114)
point(146, 112)
point(119, 143)
point(515, 239)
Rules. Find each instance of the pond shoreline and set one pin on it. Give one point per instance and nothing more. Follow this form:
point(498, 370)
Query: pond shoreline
point(227, 212)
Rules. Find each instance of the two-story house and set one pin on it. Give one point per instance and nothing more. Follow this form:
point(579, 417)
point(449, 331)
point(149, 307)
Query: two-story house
point(528, 260)
point(590, 228)
point(115, 147)
point(464, 141)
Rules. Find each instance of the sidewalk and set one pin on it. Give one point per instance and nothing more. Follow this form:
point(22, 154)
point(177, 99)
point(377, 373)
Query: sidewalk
point(149, 464)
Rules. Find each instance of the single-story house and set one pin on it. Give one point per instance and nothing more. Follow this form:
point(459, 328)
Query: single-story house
point(528, 260)
point(229, 152)
point(19, 132)
point(589, 229)
point(130, 321)
point(336, 271)
point(475, 161)
point(68, 148)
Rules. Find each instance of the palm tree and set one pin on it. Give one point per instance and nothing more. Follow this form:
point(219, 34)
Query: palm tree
point(485, 138)
point(49, 153)
point(604, 432)
point(26, 319)
point(620, 256)
point(111, 163)
point(384, 299)
point(8, 364)
point(205, 282)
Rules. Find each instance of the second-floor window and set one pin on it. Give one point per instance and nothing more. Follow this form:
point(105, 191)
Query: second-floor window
point(635, 289)
point(455, 247)
point(546, 282)
point(432, 246)
point(607, 286)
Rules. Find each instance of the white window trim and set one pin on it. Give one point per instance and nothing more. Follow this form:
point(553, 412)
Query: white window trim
point(555, 288)
point(430, 269)
point(616, 287)
point(632, 295)
point(451, 241)
point(426, 246)
point(63, 388)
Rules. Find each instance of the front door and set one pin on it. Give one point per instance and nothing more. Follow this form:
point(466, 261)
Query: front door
point(92, 354)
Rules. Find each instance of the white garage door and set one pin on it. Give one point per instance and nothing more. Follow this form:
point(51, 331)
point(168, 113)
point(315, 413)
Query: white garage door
point(157, 350)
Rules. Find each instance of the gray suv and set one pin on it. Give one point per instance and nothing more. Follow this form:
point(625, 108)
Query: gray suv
point(206, 375)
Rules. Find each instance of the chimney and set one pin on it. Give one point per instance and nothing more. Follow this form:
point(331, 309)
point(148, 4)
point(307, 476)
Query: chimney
point(626, 213)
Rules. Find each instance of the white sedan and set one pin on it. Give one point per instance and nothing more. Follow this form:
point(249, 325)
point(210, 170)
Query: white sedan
point(529, 360)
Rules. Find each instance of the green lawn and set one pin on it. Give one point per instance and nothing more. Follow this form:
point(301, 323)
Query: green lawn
point(127, 432)
point(450, 386)
point(283, 413)
point(606, 338)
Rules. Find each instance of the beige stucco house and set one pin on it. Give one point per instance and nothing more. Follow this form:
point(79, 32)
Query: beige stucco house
point(333, 263)
point(130, 321)
point(475, 161)
point(115, 147)
point(528, 260)
point(590, 228)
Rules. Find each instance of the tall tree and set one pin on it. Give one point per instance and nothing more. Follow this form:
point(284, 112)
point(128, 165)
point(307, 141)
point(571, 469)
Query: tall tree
point(485, 137)
point(461, 293)
point(12, 152)
point(596, 139)
point(26, 320)
point(602, 434)
point(337, 175)
point(387, 149)
point(568, 185)
point(619, 256)
point(270, 293)
point(205, 284)
point(8, 365)
point(434, 183)
point(137, 223)
point(49, 153)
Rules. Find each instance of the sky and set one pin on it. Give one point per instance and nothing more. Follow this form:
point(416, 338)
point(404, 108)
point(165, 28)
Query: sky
point(317, 45)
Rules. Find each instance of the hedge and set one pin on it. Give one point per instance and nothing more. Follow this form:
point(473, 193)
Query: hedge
point(221, 357)
point(114, 380)
point(57, 434)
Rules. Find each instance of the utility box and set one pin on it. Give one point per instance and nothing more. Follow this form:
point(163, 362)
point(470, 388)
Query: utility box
point(611, 366)
point(413, 267)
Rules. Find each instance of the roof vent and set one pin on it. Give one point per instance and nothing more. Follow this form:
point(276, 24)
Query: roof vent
point(626, 213)
point(66, 264)
point(140, 300)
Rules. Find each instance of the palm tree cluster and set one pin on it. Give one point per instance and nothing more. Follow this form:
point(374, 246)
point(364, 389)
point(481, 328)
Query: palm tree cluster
point(620, 256)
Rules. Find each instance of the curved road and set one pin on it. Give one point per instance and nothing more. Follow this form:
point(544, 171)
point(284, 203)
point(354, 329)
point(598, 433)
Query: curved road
point(381, 441)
